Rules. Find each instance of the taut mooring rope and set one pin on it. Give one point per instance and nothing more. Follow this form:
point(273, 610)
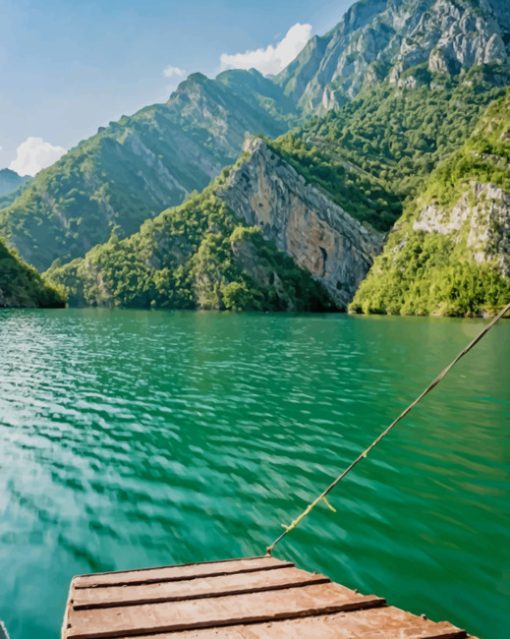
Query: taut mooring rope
point(431, 386)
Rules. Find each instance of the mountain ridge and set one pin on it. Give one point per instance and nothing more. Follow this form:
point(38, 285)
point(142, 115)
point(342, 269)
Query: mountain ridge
point(134, 168)
point(141, 164)
point(381, 39)
point(372, 107)
point(10, 181)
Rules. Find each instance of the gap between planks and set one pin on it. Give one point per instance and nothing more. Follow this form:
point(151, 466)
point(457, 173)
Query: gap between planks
point(89, 581)
point(123, 597)
point(193, 614)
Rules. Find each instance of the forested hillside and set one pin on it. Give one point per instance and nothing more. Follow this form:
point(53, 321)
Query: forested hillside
point(373, 153)
point(450, 252)
point(21, 285)
point(197, 255)
point(136, 167)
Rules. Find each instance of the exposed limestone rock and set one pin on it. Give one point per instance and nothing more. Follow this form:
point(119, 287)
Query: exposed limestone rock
point(481, 218)
point(384, 38)
point(318, 234)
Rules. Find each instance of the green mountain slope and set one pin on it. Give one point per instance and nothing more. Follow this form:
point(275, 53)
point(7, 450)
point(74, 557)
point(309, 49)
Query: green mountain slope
point(197, 255)
point(450, 252)
point(141, 164)
point(136, 167)
point(21, 285)
point(373, 153)
point(369, 156)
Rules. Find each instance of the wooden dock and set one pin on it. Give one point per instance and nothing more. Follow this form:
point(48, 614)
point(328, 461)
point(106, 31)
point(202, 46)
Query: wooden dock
point(252, 598)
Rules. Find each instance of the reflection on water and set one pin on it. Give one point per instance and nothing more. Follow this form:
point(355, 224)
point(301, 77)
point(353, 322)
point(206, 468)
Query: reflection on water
point(132, 439)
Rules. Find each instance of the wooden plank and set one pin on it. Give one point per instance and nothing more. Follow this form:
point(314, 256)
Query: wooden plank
point(219, 611)
point(233, 584)
point(375, 623)
point(176, 573)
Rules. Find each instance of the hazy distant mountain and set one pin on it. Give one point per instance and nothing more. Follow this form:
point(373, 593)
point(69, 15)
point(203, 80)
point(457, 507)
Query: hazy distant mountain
point(10, 181)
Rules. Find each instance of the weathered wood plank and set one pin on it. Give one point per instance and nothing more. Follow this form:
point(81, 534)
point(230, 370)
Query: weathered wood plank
point(176, 573)
point(233, 584)
point(211, 613)
point(375, 623)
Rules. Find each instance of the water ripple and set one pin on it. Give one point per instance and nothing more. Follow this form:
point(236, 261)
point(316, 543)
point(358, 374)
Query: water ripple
point(136, 438)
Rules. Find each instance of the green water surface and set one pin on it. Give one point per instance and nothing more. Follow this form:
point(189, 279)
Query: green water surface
point(132, 438)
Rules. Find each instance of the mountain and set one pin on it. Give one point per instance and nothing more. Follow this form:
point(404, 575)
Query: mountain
point(134, 168)
point(10, 181)
point(197, 255)
point(323, 193)
point(266, 192)
point(375, 104)
point(373, 153)
point(379, 40)
point(449, 254)
point(22, 286)
point(259, 237)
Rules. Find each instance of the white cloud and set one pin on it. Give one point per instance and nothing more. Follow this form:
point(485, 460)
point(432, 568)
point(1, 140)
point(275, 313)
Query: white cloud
point(273, 58)
point(35, 154)
point(171, 72)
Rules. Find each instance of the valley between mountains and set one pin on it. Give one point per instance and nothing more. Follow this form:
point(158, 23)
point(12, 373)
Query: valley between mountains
point(371, 175)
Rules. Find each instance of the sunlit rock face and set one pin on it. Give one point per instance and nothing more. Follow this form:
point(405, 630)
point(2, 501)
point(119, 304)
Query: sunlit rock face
point(383, 39)
point(318, 234)
point(480, 219)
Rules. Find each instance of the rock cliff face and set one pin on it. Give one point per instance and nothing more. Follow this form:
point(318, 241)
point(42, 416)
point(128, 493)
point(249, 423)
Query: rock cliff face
point(197, 255)
point(383, 39)
point(263, 190)
point(480, 220)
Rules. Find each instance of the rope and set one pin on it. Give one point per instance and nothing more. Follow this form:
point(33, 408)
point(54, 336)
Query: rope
point(365, 453)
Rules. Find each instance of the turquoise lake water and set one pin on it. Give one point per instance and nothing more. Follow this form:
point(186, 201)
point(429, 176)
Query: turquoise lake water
point(133, 438)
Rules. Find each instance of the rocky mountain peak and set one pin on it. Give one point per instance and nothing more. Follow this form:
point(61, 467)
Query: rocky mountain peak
point(383, 39)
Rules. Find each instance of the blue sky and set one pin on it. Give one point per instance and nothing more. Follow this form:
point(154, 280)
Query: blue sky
point(69, 66)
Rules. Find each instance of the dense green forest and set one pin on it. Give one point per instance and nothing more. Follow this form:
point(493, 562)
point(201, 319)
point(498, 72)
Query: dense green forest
point(461, 264)
point(373, 153)
point(197, 255)
point(21, 285)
